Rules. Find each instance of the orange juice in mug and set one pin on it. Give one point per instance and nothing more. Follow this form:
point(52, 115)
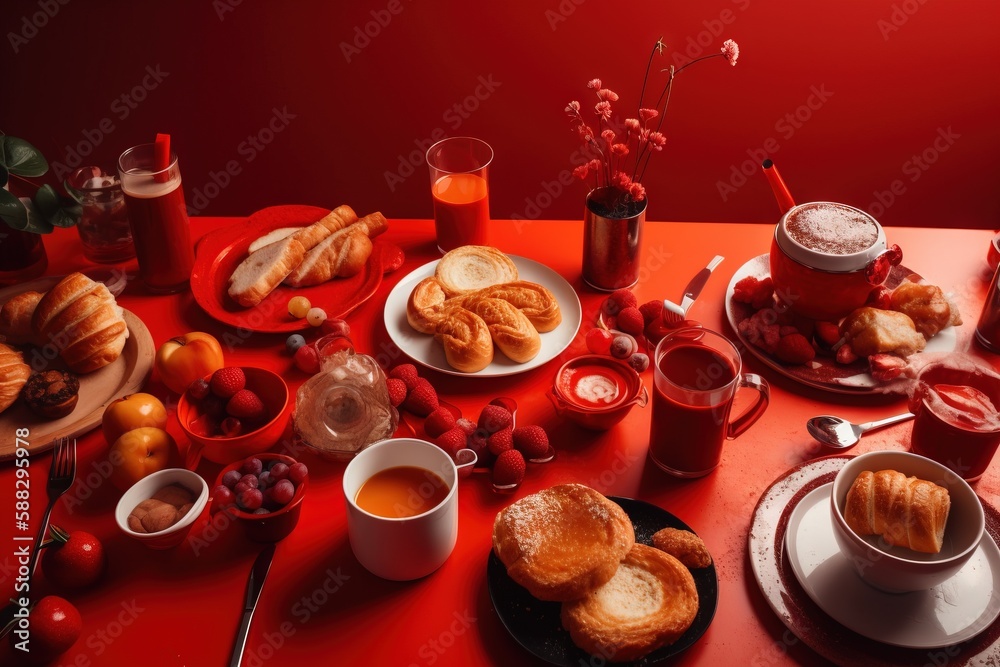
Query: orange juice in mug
point(460, 190)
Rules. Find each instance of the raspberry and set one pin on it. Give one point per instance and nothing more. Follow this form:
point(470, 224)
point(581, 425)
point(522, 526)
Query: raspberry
point(422, 399)
point(651, 311)
point(827, 334)
point(397, 391)
point(451, 440)
point(761, 329)
point(226, 382)
point(753, 291)
point(501, 441)
point(618, 301)
point(795, 349)
point(245, 405)
point(439, 421)
point(630, 321)
point(532, 441)
point(494, 418)
point(407, 373)
point(508, 470)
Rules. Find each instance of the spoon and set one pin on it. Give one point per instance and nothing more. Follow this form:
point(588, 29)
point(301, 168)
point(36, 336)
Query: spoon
point(838, 433)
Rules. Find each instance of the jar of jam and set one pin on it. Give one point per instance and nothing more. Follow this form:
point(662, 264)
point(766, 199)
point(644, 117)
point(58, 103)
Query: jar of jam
point(826, 258)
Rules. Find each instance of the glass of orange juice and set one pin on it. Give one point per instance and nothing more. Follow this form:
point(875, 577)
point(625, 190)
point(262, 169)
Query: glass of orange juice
point(459, 169)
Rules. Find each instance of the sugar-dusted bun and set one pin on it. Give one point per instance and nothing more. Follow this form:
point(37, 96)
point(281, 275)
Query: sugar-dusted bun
point(471, 267)
point(468, 346)
point(563, 542)
point(537, 303)
point(82, 320)
point(509, 327)
point(13, 374)
point(15, 318)
point(649, 603)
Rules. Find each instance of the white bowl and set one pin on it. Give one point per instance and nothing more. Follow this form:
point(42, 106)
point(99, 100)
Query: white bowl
point(145, 488)
point(898, 569)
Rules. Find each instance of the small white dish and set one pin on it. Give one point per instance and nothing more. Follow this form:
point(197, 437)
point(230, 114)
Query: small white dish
point(946, 614)
point(423, 349)
point(145, 488)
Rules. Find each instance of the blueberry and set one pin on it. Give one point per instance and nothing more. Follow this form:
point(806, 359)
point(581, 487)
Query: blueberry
point(294, 342)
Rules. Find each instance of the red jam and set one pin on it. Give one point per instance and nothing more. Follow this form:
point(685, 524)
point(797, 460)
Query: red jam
point(593, 386)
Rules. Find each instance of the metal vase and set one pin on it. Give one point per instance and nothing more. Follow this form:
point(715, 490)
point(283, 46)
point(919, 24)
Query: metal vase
point(610, 243)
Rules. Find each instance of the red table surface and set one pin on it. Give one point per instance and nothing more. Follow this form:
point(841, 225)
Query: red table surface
point(182, 607)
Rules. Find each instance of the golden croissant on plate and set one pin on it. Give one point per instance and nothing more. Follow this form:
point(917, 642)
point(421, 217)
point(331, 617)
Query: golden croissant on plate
point(904, 511)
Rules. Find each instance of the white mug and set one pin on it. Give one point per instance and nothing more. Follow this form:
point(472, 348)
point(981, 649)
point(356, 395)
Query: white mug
point(402, 549)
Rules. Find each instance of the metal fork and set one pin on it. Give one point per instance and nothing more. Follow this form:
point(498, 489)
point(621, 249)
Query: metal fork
point(62, 472)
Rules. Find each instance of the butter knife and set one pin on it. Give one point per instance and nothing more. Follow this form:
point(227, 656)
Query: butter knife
point(258, 573)
point(673, 312)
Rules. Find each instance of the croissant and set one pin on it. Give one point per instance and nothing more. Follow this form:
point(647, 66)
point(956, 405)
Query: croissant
point(426, 305)
point(509, 327)
point(535, 301)
point(13, 374)
point(342, 254)
point(81, 318)
point(904, 511)
point(468, 346)
point(15, 318)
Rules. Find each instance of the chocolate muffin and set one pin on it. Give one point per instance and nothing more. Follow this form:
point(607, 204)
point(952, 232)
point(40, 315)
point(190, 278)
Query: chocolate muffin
point(51, 394)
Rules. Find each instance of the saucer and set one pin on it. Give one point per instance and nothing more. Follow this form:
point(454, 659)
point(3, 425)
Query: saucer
point(947, 614)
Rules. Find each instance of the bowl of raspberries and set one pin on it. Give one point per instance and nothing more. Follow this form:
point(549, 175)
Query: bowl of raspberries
point(235, 412)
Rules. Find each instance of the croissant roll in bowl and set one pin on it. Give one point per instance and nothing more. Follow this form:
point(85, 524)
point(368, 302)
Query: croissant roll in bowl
point(907, 523)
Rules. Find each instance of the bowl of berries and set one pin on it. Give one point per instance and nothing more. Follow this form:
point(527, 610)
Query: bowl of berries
point(234, 413)
point(263, 493)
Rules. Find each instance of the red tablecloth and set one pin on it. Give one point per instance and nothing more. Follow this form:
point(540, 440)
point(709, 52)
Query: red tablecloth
point(319, 606)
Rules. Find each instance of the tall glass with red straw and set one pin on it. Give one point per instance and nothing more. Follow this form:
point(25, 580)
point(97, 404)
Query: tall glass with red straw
point(151, 181)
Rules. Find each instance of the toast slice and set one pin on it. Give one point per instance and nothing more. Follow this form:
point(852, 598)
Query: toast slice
point(263, 270)
point(343, 253)
point(271, 237)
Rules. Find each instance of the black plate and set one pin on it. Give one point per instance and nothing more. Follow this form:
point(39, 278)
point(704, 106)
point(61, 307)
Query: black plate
point(535, 624)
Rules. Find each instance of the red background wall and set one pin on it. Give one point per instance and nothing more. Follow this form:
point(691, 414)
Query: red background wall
point(904, 125)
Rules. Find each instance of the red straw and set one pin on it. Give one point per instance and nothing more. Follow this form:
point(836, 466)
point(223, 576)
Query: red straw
point(161, 158)
point(781, 193)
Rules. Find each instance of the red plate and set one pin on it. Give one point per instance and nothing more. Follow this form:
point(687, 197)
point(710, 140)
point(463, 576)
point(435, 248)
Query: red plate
point(219, 253)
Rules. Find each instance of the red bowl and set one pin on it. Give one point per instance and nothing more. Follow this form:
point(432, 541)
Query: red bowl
point(598, 415)
point(273, 393)
point(275, 525)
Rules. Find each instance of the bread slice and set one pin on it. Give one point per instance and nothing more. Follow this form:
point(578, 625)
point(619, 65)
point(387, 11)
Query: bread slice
point(472, 267)
point(649, 603)
point(563, 542)
point(262, 271)
point(272, 236)
point(341, 253)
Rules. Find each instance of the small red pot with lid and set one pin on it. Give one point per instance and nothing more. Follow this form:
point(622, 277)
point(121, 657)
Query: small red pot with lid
point(826, 258)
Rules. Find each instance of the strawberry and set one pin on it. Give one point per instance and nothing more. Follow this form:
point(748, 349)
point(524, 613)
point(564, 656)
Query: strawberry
point(439, 421)
point(845, 355)
point(245, 405)
point(827, 334)
point(72, 560)
point(466, 425)
point(885, 367)
point(500, 441)
point(397, 391)
point(227, 381)
point(508, 470)
point(422, 399)
point(407, 373)
point(451, 440)
point(495, 418)
point(651, 311)
point(478, 441)
point(532, 441)
point(795, 349)
point(787, 330)
point(630, 321)
point(618, 301)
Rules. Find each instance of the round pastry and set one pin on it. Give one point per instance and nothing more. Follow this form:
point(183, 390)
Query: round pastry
point(468, 346)
point(562, 542)
point(15, 318)
point(13, 374)
point(426, 305)
point(650, 602)
point(473, 267)
point(51, 394)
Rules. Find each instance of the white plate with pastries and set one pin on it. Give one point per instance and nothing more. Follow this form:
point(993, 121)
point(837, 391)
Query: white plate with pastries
point(824, 372)
point(947, 614)
point(425, 350)
point(126, 374)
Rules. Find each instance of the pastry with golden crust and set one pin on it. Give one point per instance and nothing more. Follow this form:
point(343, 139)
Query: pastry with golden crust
point(683, 545)
point(926, 305)
point(875, 331)
point(471, 267)
point(649, 602)
point(468, 346)
point(563, 542)
point(15, 318)
point(509, 328)
point(14, 373)
point(425, 306)
point(537, 303)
